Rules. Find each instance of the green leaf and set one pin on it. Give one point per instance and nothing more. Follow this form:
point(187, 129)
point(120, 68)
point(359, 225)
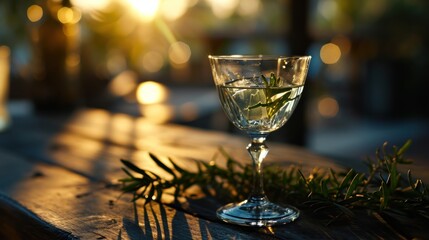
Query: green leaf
point(131, 187)
point(161, 164)
point(176, 167)
point(353, 185)
point(350, 174)
point(273, 80)
point(324, 188)
point(136, 169)
point(384, 200)
point(272, 102)
point(405, 147)
point(128, 173)
point(333, 176)
point(265, 81)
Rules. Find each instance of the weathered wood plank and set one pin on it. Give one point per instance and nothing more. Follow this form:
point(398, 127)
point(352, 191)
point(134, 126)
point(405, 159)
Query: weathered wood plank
point(58, 204)
point(17, 222)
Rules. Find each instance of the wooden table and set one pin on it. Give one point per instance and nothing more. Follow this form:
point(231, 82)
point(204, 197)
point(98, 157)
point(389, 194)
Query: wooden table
point(57, 176)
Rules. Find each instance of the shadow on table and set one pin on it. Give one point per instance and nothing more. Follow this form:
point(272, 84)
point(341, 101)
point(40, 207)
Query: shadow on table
point(154, 224)
point(151, 221)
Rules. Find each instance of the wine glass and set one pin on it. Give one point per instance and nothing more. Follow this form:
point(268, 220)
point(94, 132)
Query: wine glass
point(258, 94)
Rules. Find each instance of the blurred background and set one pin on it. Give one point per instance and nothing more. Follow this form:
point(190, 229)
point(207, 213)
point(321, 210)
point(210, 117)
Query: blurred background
point(367, 84)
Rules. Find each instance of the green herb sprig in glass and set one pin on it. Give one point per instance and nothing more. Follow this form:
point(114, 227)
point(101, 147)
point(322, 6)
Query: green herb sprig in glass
point(275, 97)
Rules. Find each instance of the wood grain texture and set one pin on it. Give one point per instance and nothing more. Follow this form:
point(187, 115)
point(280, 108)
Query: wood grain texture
point(54, 203)
point(58, 176)
point(17, 222)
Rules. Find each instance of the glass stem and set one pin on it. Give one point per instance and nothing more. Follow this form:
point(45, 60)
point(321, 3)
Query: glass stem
point(258, 150)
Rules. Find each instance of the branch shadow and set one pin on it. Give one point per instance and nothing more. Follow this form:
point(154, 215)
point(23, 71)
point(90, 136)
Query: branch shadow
point(133, 229)
point(154, 225)
point(159, 221)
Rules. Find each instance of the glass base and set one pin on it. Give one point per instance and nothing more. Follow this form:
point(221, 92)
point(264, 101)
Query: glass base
point(257, 213)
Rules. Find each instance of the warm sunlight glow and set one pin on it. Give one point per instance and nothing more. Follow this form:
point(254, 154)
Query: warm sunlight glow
point(144, 9)
point(223, 8)
point(173, 9)
point(121, 131)
point(91, 5)
point(328, 107)
point(151, 92)
point(330, 53)
point(157, 113)
point(34, 13)
point(125, 25)
point(249, 7)
point(123, 84)
point(153, 61)
point(179, 53)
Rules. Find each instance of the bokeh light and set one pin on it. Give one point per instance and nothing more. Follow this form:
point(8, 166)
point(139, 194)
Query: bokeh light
point(65, 15)
point(328, 107)
point(249, 7)
point(145, 10)
point(223, 8)
point(116, 62)
point(152, 61)
point(68, 15)
point(151, 92)
point(124, 83)
point(157, 113)
point(34, 13)
point(173, 9)
point(73, 60)
point(179, 53)
point(91, 5)
point(330, 53)
point(327, 8)
point(125, 25)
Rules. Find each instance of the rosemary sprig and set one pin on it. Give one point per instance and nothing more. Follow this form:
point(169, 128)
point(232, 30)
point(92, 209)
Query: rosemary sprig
point(326, 192)
point(275, 97)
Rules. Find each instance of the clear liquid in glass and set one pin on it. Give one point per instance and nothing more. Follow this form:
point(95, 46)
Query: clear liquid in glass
point(256, 109)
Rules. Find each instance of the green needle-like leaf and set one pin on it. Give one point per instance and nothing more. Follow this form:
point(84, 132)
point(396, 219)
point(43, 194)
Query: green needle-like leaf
point(334, 194)
point(161, 164)
point(353, 185)
point(404, 147)
point(346, 180)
